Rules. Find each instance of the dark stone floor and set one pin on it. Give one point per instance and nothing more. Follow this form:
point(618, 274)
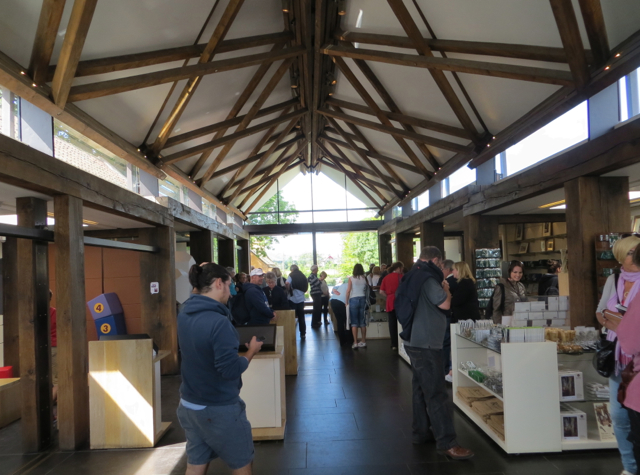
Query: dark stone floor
point(348, 412)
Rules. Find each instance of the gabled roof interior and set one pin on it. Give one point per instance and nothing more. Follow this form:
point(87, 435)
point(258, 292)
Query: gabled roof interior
point(120, 27)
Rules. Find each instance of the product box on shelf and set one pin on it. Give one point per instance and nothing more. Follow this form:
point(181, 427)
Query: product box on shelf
point(538, 306)
point(563, 303)
point(473, 394)
point(496, 423)
point(552, 303)
point(573, 423)
point(522, 307)
point(488, 407)
point(571, 385)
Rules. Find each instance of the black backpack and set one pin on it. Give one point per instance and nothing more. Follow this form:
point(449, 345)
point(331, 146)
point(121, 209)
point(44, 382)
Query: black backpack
point(239, 310)
point(489, 312)
point(299, 281)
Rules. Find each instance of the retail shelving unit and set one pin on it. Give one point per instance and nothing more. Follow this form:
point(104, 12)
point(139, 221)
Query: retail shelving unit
point(530, 394)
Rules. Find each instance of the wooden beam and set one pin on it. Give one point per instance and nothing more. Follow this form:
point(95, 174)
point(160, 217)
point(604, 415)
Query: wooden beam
point(564, 100)
point(12, 78)
point(257, 105)
point(377, 156)
point(46, 34)
point(320, 18)
point(237, 107)
point(74, 38)
point(410, 27)
point(353, 80)
point(533, 53)
point(570, 34)
point(358, 169)
point(226, 124)
point(596, 30)
point(438, 65)
point(365, 159)
point(257, 166)
point(132, 83)
point(35, 332)
point(125, 62)
point(231, 138)
point(158, 311)
point(614, 150)
point(403, 119)
point(220, 31)
point(73, 384)
point(439, 143)
point(251, 159)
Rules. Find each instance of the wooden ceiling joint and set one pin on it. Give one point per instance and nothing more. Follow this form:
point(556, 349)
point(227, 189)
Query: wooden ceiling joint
point(570, 34)
point(46, 34)
point(596, 31)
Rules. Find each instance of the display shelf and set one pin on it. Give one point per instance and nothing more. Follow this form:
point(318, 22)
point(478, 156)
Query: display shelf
point(481, 385)
point(542, 238)
point(479, 344)
point(471, 414)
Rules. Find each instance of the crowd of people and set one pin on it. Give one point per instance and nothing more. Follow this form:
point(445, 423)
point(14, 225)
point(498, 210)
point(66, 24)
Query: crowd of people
point(440, 292)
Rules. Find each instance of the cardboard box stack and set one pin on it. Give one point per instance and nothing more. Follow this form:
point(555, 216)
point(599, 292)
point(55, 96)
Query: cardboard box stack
point(552, 313)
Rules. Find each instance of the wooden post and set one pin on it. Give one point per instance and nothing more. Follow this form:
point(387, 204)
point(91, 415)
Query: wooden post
point(432, 234)
point(404, 249)
point(244, 256)
point(479, 232)
point(35, 333)
point(71, 324)
point(594, 206)
point(201, 246)
point(11, 310)
point(227, 253)
point(384, 249)
point(158, 311)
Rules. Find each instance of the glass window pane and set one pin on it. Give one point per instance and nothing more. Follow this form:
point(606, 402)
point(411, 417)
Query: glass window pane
point(298, 192)
point(169, 188)
point(330, 216)
point(362, 214)
point(565, 131)
point(72, 147)
point(327, 193)
point(302, 217)
point(420, 202)
point(461, 178)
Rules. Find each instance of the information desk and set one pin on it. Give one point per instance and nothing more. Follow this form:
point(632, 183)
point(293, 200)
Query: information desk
point(10, 401)
point(263, 391)
point(124, 394)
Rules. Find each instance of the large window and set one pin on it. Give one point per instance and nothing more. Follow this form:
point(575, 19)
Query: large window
point(9, 114)
point(564, 132)
point(458, 180)
point(420, 202)
point(629, 93)
point(313, 198)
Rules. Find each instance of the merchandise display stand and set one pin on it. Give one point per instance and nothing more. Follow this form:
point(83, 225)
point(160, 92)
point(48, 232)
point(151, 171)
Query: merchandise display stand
point(263, 391)
point(287, 320)
point(124, 394)
point(531, 394)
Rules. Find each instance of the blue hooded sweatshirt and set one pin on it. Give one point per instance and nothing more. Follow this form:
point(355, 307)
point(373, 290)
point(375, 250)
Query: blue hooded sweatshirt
point(211, 367)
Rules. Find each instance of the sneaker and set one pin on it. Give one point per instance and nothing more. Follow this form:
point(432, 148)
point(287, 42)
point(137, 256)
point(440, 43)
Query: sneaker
point(448, 378)
point(362, 344)
point(354, 346)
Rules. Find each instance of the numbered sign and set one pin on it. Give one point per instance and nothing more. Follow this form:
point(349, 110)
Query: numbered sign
point(98, 308)
point(105, 328)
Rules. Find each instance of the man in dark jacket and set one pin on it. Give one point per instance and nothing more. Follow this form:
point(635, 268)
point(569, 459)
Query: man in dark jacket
point(255, 300)
point(432, 413)
point(276, 296)
point(548, 284)
point(315, 291)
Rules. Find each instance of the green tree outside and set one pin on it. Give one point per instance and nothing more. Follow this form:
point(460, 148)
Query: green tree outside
point(358, 248)
point(288, 214)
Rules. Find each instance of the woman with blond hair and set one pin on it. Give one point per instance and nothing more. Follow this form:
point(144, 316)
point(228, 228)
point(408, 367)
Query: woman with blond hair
point(620, 290)
point(280, 280)
point(464, 299)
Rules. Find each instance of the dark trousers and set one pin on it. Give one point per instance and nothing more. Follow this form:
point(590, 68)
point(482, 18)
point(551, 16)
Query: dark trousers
point(340, 311)
point(634, 434)
point(392, 320)
point(325, 307)
point(316, 316)
point(446, 348)
point(432, 413)
point(299, 309)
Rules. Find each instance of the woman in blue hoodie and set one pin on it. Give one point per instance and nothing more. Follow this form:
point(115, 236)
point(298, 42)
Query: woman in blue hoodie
point(211, 412)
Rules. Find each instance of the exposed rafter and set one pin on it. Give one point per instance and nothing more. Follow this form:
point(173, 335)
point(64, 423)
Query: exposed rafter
point(46, 34)
point(570, 33)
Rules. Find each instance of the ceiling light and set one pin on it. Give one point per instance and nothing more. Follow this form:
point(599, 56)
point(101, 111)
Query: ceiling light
point(552, 205)
point(607, 68)
point(23, 73)
point(617, 55)
point(89, 222)
point(286, 5)
point(342, 7)
point(559, 207)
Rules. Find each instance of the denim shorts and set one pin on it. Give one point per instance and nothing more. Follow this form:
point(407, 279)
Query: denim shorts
point(356, 312)
point(218, 431)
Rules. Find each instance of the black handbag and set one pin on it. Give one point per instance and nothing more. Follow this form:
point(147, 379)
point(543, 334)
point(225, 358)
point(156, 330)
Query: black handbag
point(604, 361)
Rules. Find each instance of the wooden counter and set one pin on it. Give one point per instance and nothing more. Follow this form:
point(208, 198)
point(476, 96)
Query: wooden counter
point(10, 401)
point(124, 394)
point(287, 320)
point(263, 391)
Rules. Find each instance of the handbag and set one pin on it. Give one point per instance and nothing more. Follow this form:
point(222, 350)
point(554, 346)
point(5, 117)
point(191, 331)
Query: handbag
point(604, 360)
point(627, 376)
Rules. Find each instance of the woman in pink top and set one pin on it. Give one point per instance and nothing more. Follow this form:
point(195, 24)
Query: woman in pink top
point(629, 339)
point(388, 289)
